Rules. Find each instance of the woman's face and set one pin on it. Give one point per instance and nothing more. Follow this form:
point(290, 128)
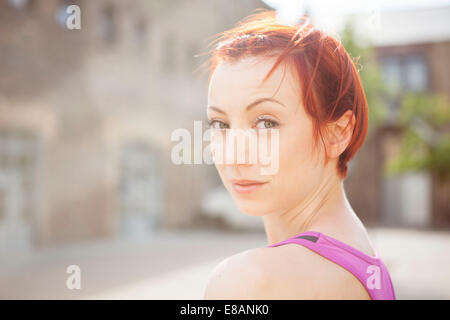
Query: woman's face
point(232, 89)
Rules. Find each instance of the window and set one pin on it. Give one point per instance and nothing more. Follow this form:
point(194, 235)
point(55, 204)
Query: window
point(140, 188)
point(392, 73)
point(141, 33)
point(18, 155)
point(416, 74)
point(18, 4)
point(107, 24)
point(406, 73)
point(403, 74)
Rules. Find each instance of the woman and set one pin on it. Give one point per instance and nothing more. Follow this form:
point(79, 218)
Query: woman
point(301, 82)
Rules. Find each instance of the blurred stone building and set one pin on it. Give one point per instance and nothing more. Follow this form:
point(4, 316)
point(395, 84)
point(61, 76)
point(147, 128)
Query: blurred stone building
point(86, 116)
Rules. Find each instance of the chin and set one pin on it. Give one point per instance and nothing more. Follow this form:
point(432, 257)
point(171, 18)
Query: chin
point(254, 207)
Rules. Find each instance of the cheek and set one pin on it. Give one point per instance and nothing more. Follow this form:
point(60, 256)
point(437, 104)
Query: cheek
point(299, 167)
point(296, 154)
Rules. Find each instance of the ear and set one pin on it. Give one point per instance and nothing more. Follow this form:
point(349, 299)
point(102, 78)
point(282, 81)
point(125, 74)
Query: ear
point(339, 133)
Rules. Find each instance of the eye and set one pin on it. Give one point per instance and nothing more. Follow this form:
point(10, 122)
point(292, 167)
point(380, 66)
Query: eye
point(217, 124)
point(264, 123)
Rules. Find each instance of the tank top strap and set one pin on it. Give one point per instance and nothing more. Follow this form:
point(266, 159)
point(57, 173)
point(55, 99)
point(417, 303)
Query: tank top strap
point(370, 271)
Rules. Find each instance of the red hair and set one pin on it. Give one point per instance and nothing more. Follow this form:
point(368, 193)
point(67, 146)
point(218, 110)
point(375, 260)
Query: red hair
point(328, 79)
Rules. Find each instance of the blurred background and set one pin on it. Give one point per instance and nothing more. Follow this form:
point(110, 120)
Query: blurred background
point(86, 117)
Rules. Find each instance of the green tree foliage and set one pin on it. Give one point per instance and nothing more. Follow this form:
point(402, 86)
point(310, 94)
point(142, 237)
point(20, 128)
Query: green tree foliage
point(425, 143)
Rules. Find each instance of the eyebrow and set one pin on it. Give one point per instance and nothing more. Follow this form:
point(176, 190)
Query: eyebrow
point(251, 105)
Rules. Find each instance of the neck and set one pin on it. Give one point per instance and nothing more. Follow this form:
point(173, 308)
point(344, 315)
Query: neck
point(326, 208)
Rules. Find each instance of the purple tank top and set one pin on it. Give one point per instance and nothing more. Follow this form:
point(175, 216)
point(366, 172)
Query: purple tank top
point(370, 271)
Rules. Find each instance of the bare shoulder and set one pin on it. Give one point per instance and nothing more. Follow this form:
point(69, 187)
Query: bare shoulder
point(290, 271)
point(241, 276)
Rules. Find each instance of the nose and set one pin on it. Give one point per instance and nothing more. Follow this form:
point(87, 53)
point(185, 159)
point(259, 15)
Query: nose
point(241, 147)
point(236, 147)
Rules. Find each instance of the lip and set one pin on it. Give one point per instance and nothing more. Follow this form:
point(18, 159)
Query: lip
point(246, 186)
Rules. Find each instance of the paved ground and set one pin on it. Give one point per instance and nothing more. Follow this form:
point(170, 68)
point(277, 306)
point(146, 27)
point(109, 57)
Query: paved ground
point(176, 265)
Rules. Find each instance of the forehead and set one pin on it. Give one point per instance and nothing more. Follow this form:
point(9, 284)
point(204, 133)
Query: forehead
point(240, 82)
